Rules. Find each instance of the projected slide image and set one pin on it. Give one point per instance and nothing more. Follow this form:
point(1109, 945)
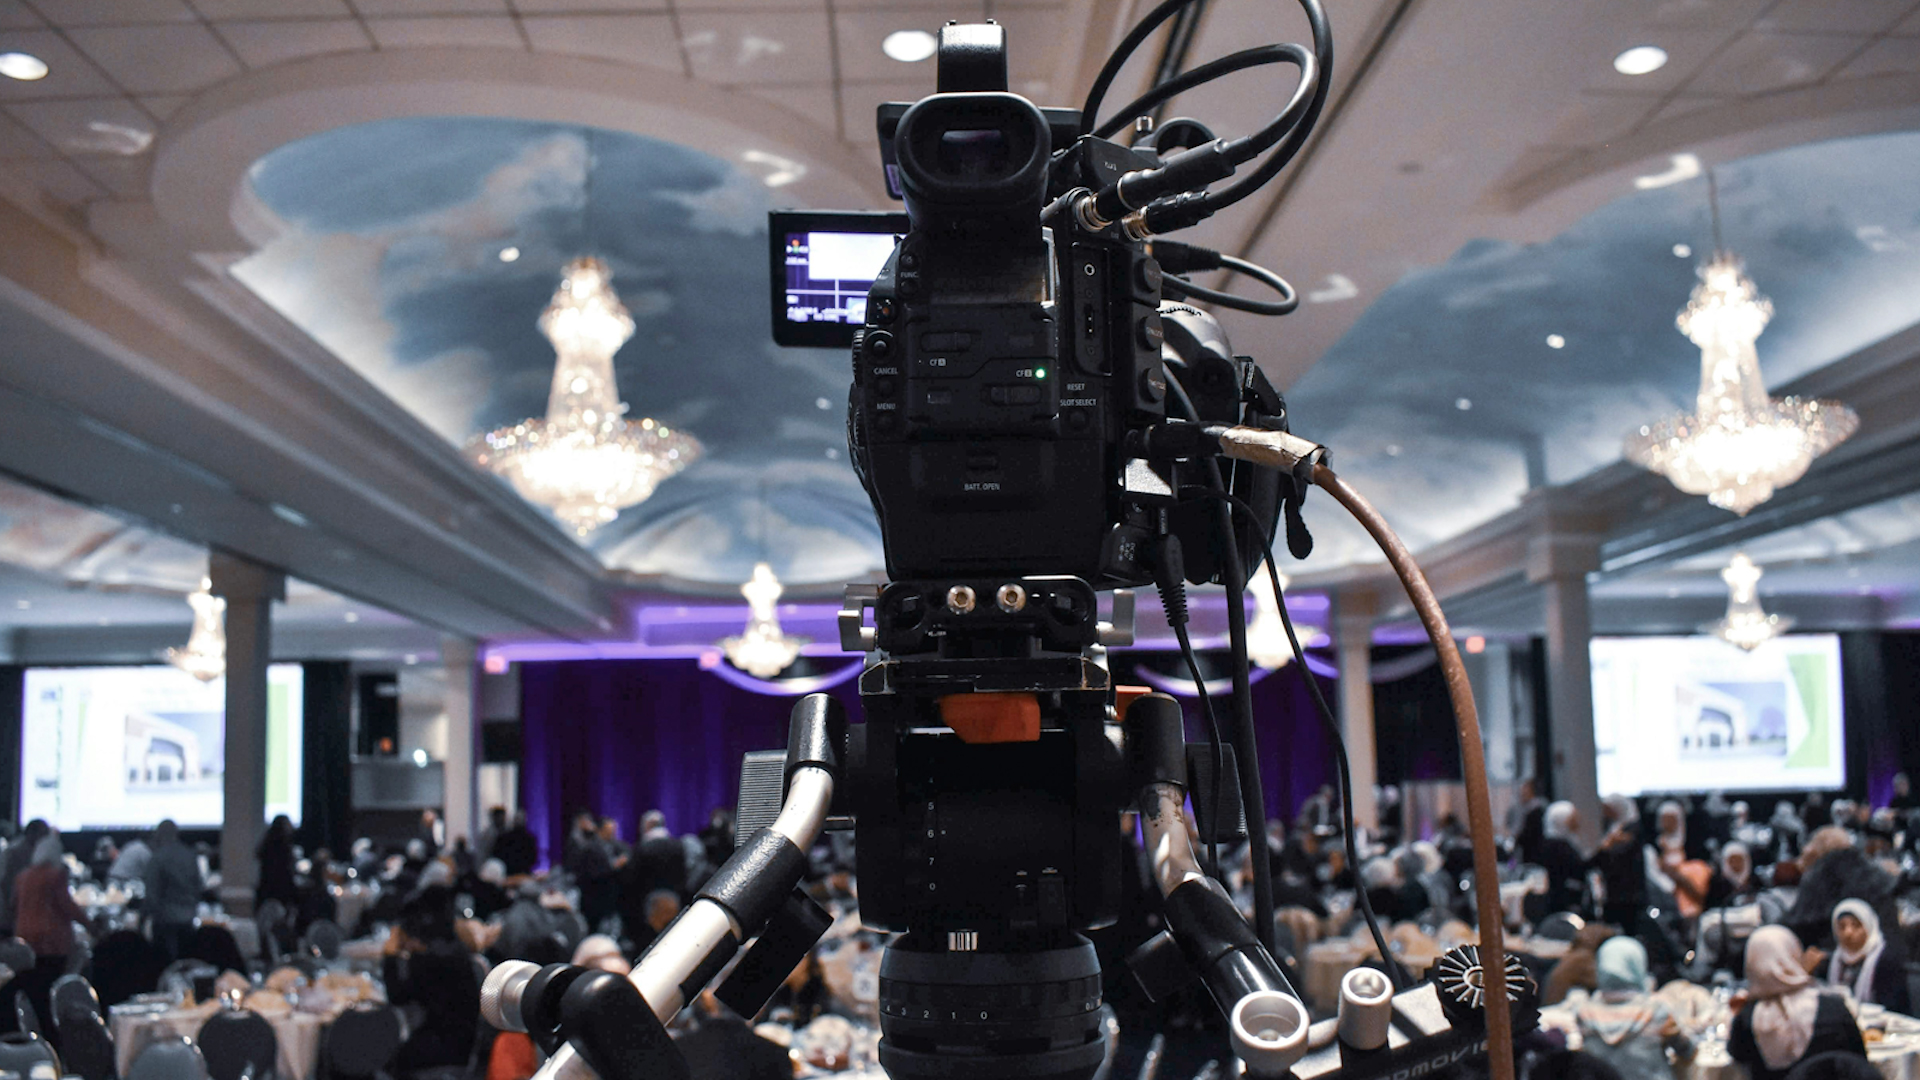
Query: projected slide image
point(1696, 714)
point(125, 747)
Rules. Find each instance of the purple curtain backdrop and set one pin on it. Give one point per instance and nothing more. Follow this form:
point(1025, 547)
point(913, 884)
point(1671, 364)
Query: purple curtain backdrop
point(622, 737)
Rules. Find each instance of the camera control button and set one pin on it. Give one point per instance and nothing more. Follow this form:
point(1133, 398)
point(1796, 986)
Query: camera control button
point(883, 386)
point(881, 310)
point(879, 343)
point(1148, 332)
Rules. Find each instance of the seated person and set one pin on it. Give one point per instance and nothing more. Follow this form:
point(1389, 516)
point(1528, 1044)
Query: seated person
point(1623, 1024)
point(1786, 1018)
point(1863, 964)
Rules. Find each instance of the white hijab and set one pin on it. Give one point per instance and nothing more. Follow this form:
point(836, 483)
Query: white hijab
point(1785, 999)
point(1869, 955)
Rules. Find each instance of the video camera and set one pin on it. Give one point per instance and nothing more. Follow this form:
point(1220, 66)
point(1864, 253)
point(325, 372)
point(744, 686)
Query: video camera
point(1037, 419)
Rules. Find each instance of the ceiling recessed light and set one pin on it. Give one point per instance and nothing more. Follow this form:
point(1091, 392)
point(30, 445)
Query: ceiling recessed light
point(23, 66)
point(1683, 251)
point(1463, 404)
point(1640, 60)
point(1555, 341)
point(23, 605)
point(1393, 449)
point(909, 46)
point(508, 254)
point(352, 616)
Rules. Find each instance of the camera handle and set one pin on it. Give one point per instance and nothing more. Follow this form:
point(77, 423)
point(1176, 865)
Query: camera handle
point(1378, 1033)
point(755, 890)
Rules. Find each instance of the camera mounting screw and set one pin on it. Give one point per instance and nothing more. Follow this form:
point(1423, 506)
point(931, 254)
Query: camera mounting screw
point(960, 599)
point(1011, 598)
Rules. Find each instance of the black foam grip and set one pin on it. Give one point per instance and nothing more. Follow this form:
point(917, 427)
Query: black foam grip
point(755, 882)
point(708, 967)
point(614, 1031)
point(1220, 945)
point(1156, 741)
point(790, 935)
point(817, 734)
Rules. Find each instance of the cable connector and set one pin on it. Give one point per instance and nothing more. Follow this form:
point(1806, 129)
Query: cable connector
point(1175, 257)
point(1190, 170)
point(1274, 449)
point(1178, 212)
point(1170, 578)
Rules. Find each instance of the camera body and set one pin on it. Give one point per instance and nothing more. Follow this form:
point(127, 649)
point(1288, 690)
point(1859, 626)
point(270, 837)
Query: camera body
point(1002, 361)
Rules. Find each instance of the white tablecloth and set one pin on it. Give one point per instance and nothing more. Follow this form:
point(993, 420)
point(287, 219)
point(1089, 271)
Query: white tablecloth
point(135, 1028)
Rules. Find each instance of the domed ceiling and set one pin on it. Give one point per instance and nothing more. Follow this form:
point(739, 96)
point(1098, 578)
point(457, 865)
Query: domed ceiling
point(421, 251)
point(1514, 366)
point(1506, 368)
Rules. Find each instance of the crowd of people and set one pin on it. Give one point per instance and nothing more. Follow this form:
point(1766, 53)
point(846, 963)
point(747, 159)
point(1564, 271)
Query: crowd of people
point(1799, 918)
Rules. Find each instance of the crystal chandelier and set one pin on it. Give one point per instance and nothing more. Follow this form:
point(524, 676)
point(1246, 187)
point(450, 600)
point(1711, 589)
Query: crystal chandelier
point(586, 462)
point(1738, 445)
point(1746, 625)
point(762, 649)
point(205, 657)
point(1267, 643)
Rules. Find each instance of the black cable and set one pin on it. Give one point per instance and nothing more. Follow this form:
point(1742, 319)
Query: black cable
point(1213, 746)
point(1245, 742)
point(1246, 58)
point(1179, 394)
point(1216, 201)
point(1395, 971)
point(1120, 55)
point(1177, 286)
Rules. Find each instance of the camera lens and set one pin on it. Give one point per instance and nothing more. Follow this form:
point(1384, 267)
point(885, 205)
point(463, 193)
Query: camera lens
point(1018, 1008)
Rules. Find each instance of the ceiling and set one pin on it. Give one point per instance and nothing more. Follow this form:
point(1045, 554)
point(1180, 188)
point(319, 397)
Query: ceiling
point(81, 584)
point(271, 231)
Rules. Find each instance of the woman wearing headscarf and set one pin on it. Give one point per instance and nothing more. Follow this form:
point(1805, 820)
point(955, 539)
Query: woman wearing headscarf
point(1566, 868)
point(1733, 882)
point(1833, 869)
point(1622, 863)
point(1786, 1018)
point(1622, 1023)
point(1861, 963)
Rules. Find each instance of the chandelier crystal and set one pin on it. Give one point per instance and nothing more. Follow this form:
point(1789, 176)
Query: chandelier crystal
point(1746, 625)
point(1267, 643)
point(586, 462)
point(1738, 445)
point(205, 655)
point(762, 649)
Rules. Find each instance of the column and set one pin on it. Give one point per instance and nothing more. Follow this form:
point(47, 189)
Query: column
point(250, 591)
point(457, 654)
point(1353, 615)
point(1560, 563)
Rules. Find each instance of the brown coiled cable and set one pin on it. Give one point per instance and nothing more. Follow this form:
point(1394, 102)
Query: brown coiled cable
point(1473, 760)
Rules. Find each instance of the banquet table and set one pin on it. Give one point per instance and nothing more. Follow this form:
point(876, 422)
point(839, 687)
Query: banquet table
point(136, 1025)
point(1896, 1055)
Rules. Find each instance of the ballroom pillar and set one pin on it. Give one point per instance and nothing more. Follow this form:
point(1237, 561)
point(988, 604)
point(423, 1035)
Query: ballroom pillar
point(250, 591)
point(1353, 616)
point(1559, 563)
point(457, 654)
